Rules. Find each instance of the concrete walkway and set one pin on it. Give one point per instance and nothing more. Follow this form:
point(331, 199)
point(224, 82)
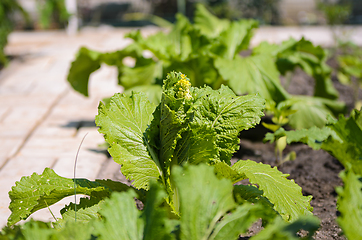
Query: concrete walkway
point(42, 120)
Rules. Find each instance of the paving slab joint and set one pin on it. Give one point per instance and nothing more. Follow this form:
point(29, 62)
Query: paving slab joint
point(34, 128)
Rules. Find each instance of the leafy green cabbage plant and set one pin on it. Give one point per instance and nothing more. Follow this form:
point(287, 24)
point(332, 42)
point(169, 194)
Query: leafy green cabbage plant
point(190, 126)
point(208, 52)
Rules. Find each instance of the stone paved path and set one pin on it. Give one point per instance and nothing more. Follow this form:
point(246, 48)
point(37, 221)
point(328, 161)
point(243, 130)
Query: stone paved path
point(42, 121)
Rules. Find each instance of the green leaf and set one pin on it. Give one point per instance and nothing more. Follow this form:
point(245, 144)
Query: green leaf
point(313, 137)
point(195, 125)
point(121, 218)
point(227, 114)
point(223, 170)
point(349, 66)
point(200, 69)
point(254, 74)
point(74, 231)
point(207, 23)
point(176, 45)
point(311, 111)
point(138, 75)
point(308, 114)
point(238, 222)
point(116, 186)
point(282, 230)
point(234, 39)
point(350, 204)
point(285, 194)
point(207, 206)
point(343, 78)
point(203, 199)
point(36, 230)
point(173, 132)
point(312, 59)
point(349, 150)
point(182, 39)
point(273, 49)
point(155, 216)
point(153, 92)
point(84, 212)
point(248, 193)
point(252, 194)
point(86, 62)
point(39, 191)
point(124, 121)
point(196, 145)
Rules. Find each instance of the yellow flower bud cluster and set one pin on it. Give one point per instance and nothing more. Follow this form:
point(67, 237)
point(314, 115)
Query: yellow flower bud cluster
point(183, 86)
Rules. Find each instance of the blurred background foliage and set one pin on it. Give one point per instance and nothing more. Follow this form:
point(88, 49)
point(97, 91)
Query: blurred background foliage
point(7, 9)
point(336, 12)
point(53, 14)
